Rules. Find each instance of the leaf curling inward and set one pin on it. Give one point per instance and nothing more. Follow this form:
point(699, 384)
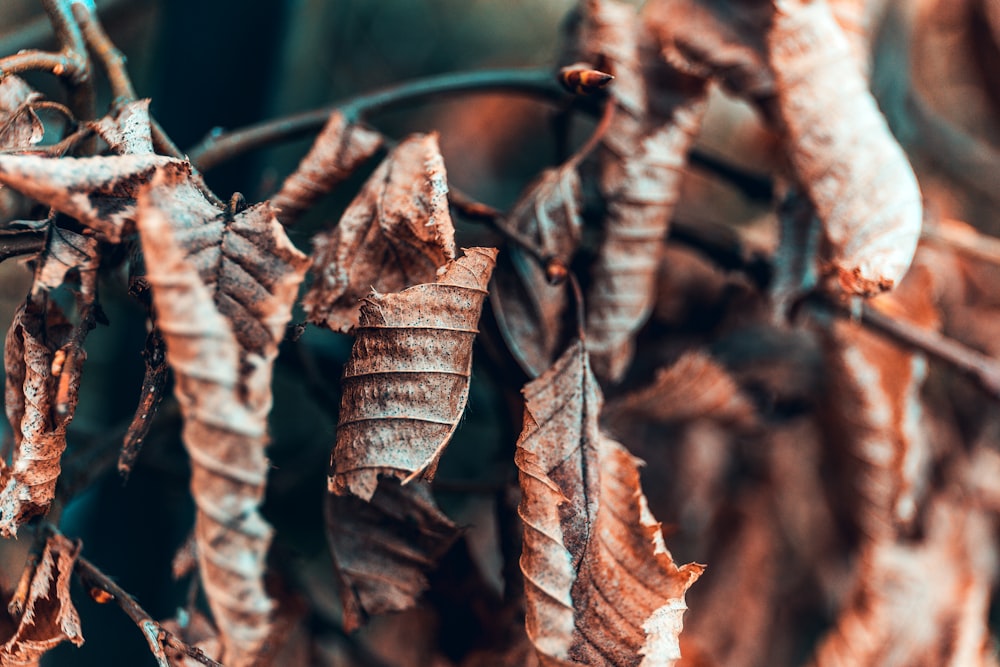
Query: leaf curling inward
point(383, 548)
point(340, 148)
point(406, 383)
point(842, 151)
point(600, 585)
point(127, 129)
point(223, 288)
point(396, 233)
point(529, 310)
point(20, 127)
point(48, 617)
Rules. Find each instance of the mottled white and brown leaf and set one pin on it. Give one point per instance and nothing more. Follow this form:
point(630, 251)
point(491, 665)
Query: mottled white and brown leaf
point(407, 381)
point(600, 586)
point(340, 148)
point(45, 615)
point(383, 548)
point(396, 233)
point(19, 125)
point(528, 308)
point(127, 130)
point(223, 287)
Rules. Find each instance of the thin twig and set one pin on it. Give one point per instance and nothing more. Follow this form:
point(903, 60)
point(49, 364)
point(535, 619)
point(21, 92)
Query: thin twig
point(219, 147)
point(73, 47)
point(21, 242)
point(154, 383)
point(156, 636)
point(106, 53)
point(968, 242)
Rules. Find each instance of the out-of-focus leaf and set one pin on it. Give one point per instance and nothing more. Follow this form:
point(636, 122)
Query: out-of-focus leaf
point(407, 381)
point(694, 387)
point(842, 151)
point(223, 287)
point(529, 310)
point(396, 233)
point(923, 603)
point(19, 126)
point(600, 586)
point(47, 616)
point(338, 150)
point(382, 549)
point(646, 148)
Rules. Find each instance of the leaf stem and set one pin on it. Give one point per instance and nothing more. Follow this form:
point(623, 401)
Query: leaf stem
point(534, 82)
point(21, 242)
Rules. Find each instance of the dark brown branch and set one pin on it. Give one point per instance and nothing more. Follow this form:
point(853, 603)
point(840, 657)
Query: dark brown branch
point(154, 383)
point(106, 53)
point(19, 243)
point(157, 638)
point(219, 147)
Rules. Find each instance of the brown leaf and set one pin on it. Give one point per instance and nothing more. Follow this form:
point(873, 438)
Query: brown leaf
point(646, 149)
point(223, 286)
point(47, 616)
point(601, 587)
point(338, 150)
point(383, 549)
point(529, 310)
point(100, 192)
point(694, 387)
point(19, 125)
point(407, 381)
point(43, 359)
point(842, 151)
point(127, 129)
point(396, 233)
point(934, 592)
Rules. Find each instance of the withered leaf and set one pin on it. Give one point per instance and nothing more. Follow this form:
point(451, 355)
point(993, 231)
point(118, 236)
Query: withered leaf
point(407, 381)
point(529, 310)
point(47, 615)
point(694, 387)
point(646, 148)
point(100, 192)
point(339, 149)
point(600, 586)
point(19, 125)
point(934, 592)
point(396, 233)
point(223, 287)
point(127, 129)
point(43, 360)
point(383, 549)
point(842, 152)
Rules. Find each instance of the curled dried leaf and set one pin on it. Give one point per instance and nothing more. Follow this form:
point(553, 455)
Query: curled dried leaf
point(382, 549)
point(600, 586)
point(396, 233)
point(127, 129)
point(19, 125)
point(529, 309)
point(47, 615)
point(407, 381)
point(340, 148)
point(223, 286)
point(100, 192)
point(856, 174)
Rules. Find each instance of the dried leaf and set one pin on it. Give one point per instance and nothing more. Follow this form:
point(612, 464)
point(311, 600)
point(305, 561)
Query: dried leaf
point(19, 125)
point(529, 310)
point(127, 129)
point(383, 549)
point(647, 145)
point(396, 233)
point(48, 616)
point(338, 150)
point(934, 592)
point(842, 151)
point(43, 359)
point(223, 287)
point(98, 191)
point(601, 587)
point(407, 381)
point(694, 387)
